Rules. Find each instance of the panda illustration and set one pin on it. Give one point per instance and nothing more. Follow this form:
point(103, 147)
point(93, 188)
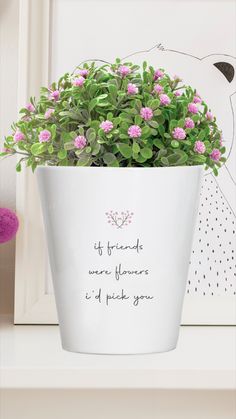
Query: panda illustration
point(213, 260)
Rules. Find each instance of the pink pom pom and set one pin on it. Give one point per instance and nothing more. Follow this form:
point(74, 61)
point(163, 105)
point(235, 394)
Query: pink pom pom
point(9, 224)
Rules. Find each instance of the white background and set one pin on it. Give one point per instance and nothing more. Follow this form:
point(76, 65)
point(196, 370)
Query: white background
point(84, 29)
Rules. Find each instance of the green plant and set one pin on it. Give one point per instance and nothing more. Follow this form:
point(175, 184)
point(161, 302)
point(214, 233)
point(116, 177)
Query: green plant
point(117, 115)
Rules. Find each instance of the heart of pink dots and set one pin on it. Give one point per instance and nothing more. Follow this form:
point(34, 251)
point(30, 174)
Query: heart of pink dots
point(119, 219)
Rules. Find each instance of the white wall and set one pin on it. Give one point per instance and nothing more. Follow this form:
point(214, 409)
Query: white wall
point(9, 11)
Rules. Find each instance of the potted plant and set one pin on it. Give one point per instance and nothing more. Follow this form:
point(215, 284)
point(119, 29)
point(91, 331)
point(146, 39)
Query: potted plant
point(119, 154)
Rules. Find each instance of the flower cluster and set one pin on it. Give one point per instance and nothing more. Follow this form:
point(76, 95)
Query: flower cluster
point(117, 115)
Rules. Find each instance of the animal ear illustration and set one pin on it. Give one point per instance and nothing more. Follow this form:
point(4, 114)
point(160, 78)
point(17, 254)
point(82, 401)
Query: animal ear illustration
point(226, 69)
point(225, 66)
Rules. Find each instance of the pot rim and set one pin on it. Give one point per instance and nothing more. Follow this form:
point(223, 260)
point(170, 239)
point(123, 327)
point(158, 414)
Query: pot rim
point(95, 168)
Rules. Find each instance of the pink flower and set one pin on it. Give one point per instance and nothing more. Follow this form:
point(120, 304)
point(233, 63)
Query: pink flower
point(177, 93)
point(165, 100)
point(30, 107)
point(132, 89)
point(18, 136)
point(134, 131)
point(221, 139)
point(55, 95)
point(215, 154)
point(199, 147)
point(44, 136)
point(192, 108)
point(179, 133)
point(158, 74)
point(146, 113)
point(106, 126)
point(79, 81)
point(197, 99)
point(189, 123)
point(158, 88)
point(209, 116)
point(80, 142)
point(48, 113)
point(83, 72)
point(123, 70)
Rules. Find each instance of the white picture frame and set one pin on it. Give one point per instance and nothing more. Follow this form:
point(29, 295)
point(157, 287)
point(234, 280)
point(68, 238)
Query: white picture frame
point(33, 303)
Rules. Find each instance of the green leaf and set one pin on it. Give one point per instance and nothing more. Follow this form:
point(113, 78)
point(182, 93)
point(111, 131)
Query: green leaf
point(153, 124)
point(53, 130)
point(146, 152)
point(140, 159)
point(173, 124)
point(109, 159)
point(101, 97)
point(138, 120)
point(95, 149)
point(183, 157)
point(146, 131)
point(64, 162)
point(199, 159)
point(173, 159)
point(103, 104)
point(81, 131)
point(161, 130)
point(160, 119)
point(125, 150)
point(164, 161)
point(73, 135)
point(135, 148)
point(92, 104)
point(91, 135)
point(84, 160)
point(158, 143)
point(174, 144)
point(69, 145)
point(201, 135)
point(110, 116)
point(154, 103)
point(93, 89)
point(62, 154)
point(113, 90)
point(181, 123)
point(157, 112)
point(50, 149)
point(131, 111)
point(33, 166)
point(18, 167)
point(123, 136)
point(66, 136)
point(215, 171)
point(38, 148)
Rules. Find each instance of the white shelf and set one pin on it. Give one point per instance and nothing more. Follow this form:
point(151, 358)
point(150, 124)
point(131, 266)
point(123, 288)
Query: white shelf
point(31, 357)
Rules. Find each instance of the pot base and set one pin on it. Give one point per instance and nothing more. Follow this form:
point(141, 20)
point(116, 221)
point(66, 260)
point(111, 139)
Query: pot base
point(151, 352)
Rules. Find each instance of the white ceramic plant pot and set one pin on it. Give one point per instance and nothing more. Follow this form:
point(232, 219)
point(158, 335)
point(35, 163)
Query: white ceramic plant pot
point(119, 243)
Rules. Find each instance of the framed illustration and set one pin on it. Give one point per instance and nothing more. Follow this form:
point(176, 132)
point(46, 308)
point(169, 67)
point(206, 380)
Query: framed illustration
point(53, 40)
